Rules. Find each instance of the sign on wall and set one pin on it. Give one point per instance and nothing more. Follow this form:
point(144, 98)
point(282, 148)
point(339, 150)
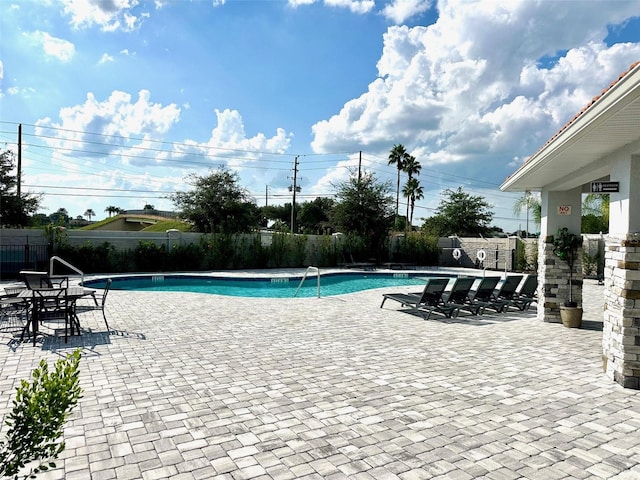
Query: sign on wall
point(564, 209)
point(605, 187)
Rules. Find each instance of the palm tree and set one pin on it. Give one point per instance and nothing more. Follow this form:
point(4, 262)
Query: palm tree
point(412, 191)
point(398, 156)
point(112, 210)
point(411, 167)
point(529, 202)
point(596, 204)
point(89, 213)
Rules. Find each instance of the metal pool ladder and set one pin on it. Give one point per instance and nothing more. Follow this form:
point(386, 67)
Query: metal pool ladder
point(304, 277)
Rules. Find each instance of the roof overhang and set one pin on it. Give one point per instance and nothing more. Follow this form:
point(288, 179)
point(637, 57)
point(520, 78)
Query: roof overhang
point(579, 153)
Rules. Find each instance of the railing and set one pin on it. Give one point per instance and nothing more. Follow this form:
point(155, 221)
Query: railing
point(66, 264)
point(304, 277)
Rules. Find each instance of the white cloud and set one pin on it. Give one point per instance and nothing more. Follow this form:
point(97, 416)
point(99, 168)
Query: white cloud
point(355, 6)
point(59, 48)
point(127, 133)
point(98, 129)
point(401, 10)
point(109, 15)
point(470, 86)
point(106, 58)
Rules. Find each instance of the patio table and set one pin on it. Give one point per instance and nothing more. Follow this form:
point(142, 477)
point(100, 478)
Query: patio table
point(72, 294)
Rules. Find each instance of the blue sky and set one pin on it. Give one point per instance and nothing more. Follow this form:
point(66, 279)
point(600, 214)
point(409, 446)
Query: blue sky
point(121, 100)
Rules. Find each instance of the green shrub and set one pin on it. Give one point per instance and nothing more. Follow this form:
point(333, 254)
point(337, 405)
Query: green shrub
point(37, 419)
point(418, 248)
point(149, 257)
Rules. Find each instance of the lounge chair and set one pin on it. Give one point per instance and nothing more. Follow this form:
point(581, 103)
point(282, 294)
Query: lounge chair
point(427, 301)
point(482, 296)
point(526, 295)
point(458, 298)
point(503, 295)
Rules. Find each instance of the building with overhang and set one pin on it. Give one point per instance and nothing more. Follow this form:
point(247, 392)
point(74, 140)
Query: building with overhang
point(598, 150)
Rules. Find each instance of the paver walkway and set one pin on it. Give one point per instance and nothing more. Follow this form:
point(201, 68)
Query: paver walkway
point(199, 386)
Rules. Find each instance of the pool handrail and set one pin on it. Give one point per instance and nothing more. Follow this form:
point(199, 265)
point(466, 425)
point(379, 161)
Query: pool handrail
point(304, 277)
point(66, 264)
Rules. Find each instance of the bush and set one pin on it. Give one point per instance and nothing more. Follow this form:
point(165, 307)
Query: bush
point(37, 419)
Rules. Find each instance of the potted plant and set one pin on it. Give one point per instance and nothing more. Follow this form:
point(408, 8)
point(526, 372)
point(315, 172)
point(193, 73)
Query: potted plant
point(565, 247)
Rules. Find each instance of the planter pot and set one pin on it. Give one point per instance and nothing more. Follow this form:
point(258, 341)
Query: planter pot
point(571, 316)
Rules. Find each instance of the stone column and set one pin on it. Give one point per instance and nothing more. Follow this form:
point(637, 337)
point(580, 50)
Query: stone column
point(621, 330)
point(554, 289)
point(553, 273)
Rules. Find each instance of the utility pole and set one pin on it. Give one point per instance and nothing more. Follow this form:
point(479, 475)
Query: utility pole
point(266, 196)
point(360, 168)
point(294, 189)
point(19, 175)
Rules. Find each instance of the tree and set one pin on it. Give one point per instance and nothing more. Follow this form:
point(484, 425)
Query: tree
point(595, 213)
point(217, 203)
point(411, 167)
point(364, 207)
point(89, 213)
point(279, 213)
point(15, 209)
point(111, 210)
point(531, 204)
point(461, 214)
point(412, 191)
point(398, 157)
point(314, 216)
point(61, 217)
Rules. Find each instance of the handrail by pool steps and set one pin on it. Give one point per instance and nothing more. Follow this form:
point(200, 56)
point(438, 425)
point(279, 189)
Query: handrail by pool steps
point(66, 264)
point(304, 277)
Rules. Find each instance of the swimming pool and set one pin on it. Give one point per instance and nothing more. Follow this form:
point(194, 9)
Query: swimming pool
point(274, 287)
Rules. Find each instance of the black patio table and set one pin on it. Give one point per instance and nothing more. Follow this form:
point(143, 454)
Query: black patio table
point(72, 294)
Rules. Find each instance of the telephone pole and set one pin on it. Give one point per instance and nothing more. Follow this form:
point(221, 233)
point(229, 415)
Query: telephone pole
point(294, 190)
point(19, 173)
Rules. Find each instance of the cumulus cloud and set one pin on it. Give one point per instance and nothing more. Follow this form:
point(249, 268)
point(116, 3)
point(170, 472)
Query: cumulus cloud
point(122, 131)
point(401, 10)
point(355, 6)
point(109, 15)
point(58, 48)
point(486, 80)
point(102, 128)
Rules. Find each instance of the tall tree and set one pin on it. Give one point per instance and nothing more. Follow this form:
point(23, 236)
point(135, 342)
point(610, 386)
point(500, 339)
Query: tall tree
point(411, 167)
point(460, 213)
point(412, 191)
point(15, 209)
point(364, 207)
point(111, 210)
point(314, 216)
point(217, 203)
point(531, 204)
point(398, 157)
point(89, 213)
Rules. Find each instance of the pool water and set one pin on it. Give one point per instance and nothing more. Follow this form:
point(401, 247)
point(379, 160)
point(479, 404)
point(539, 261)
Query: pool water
point(277, 287)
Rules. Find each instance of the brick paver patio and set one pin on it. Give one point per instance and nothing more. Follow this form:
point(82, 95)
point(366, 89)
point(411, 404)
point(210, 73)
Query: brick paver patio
point(199, 386)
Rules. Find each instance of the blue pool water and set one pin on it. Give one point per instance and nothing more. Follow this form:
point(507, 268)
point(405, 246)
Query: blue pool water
point(277, 287)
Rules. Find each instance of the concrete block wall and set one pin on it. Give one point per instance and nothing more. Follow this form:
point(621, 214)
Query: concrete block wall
point(621, 331)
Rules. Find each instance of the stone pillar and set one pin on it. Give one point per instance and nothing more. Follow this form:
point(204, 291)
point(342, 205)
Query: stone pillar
point(553, 273)
point(554, 289)
point(621, 330)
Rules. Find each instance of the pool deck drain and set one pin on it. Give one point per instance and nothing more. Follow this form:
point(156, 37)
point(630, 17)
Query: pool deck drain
point(194, 386)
